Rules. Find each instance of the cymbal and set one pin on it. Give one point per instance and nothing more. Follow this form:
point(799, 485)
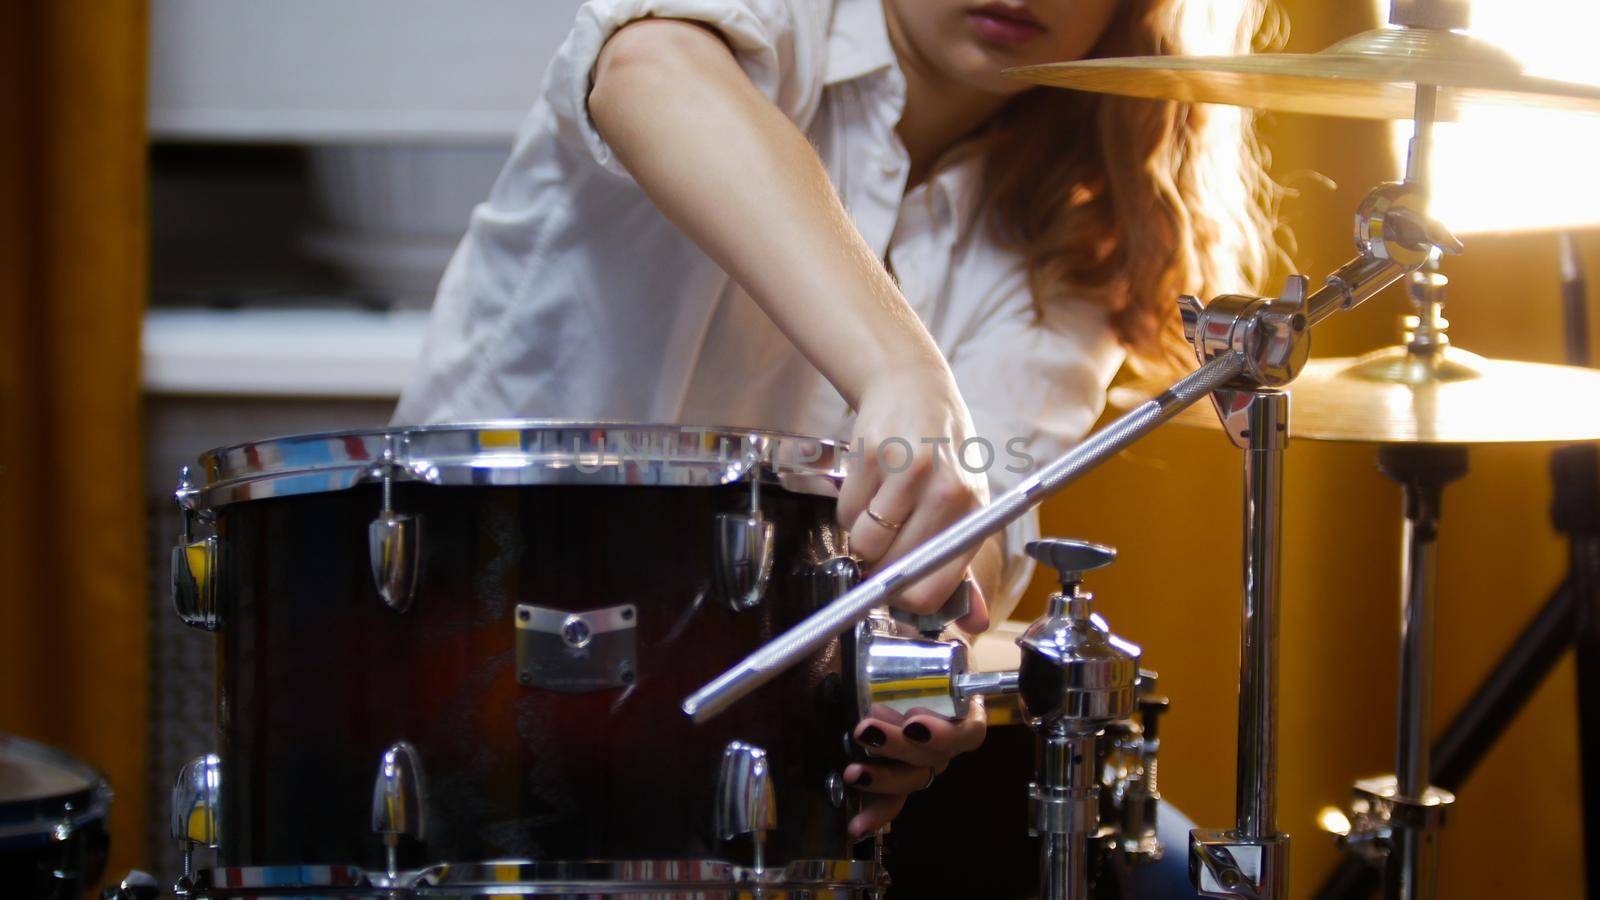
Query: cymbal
point(1372, 75)
point(1396, 396)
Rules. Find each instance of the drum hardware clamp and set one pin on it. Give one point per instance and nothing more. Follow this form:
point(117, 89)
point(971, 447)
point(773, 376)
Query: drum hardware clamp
point(196, 808)
point(1076, 678)
point(1130, 795)
point(394, 540)
point(743, 545)
point(398, 803)
point(195, 562)
point(746, 802)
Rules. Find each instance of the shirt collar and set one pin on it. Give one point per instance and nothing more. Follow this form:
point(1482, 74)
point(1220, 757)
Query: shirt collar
point(953, 195)
point(858, 41)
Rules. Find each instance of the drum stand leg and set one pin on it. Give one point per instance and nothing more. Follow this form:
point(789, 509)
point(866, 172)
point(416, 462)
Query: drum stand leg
point(1252, 859)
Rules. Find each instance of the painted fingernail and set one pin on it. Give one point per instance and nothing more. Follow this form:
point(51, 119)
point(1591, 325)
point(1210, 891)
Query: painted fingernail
point(918, 732)
point(863, 780)
point(872, 736)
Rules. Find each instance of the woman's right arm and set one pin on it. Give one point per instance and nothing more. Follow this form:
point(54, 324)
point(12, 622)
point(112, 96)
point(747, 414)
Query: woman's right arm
point(736, 175)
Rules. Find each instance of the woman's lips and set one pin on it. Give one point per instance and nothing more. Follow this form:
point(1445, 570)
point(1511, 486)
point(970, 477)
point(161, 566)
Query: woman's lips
point(1001, 27)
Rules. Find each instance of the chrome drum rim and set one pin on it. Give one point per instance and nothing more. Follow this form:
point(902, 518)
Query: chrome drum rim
point(50, 815)
point(518, 452)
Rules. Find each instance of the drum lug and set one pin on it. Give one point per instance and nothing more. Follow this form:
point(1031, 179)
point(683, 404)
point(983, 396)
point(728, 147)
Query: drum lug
point(394, 540)
point(194, 563)
point(746, 800)
point(397, 801)
point(743, 559)
point(743, 543)
point(831, 579)
point(196, 804)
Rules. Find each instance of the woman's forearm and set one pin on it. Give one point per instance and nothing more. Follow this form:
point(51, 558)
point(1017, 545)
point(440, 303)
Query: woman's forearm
point(730, 170)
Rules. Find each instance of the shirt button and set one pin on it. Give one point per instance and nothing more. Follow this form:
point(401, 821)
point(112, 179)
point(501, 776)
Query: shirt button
point(890, 165)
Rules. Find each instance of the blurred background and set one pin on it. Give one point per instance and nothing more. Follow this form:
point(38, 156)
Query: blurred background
point(222, 220)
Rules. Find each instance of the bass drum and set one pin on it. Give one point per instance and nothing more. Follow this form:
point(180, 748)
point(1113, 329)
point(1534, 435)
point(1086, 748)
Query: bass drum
point(453, 656)
point(967, 834)
point(53, 838)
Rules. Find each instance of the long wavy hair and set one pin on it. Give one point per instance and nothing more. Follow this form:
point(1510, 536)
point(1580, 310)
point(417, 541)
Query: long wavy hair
point(1132, 202)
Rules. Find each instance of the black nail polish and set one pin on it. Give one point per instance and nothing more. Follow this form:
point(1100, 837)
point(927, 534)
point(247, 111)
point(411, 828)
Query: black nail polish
point(918, 732)
point(864, 780)
point(872, 736)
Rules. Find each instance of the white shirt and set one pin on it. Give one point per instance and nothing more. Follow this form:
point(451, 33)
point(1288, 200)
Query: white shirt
point(572, 297)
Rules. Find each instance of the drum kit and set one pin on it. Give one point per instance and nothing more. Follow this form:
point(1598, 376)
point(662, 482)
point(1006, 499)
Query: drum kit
point(454, 661)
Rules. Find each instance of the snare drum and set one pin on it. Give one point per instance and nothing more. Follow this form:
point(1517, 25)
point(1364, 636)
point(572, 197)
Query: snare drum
point(452, 657)
point(53, 838)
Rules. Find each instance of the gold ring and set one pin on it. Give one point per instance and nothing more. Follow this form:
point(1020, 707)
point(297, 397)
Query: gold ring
point(892, 526)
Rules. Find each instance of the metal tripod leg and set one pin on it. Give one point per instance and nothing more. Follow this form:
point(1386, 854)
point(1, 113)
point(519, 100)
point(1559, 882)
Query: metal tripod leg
point(1252, 859)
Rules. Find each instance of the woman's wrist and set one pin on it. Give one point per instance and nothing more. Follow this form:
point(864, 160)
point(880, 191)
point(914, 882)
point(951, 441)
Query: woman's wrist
point(912, 374)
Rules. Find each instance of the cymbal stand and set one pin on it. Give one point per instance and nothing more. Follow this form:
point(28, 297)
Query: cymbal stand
point(1406, 809)
point(1570, 617)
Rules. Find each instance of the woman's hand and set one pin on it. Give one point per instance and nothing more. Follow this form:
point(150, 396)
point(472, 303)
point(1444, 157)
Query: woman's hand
point(905, 484)
point(905, 755)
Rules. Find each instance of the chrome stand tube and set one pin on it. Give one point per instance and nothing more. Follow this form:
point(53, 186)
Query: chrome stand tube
point(1412, 865)
point(1252, 859)
point(1417, 571)
point(1065, 800)
point(1256, 790)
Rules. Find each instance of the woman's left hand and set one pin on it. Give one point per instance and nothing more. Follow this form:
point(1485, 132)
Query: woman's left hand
point(905, 754)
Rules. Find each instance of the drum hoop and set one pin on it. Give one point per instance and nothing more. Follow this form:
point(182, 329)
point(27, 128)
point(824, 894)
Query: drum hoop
point(552, 876)
point(38, 815)
point(519, 452)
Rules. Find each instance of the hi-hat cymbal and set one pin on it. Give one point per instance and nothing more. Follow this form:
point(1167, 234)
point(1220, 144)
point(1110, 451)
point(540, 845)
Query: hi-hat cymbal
point(1372, 75)
point(1396, 396)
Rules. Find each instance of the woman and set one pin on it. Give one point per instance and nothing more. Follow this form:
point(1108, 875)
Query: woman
point(840, 219)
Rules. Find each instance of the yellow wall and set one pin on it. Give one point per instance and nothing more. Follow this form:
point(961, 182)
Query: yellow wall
point(1172, 505)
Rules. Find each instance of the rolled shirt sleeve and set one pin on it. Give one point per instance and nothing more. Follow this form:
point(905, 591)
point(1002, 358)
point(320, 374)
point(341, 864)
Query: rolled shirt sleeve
point(780, 44)
point(1035, 386)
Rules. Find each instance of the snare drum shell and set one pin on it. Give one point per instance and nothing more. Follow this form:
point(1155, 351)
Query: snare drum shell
point(318, 676)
